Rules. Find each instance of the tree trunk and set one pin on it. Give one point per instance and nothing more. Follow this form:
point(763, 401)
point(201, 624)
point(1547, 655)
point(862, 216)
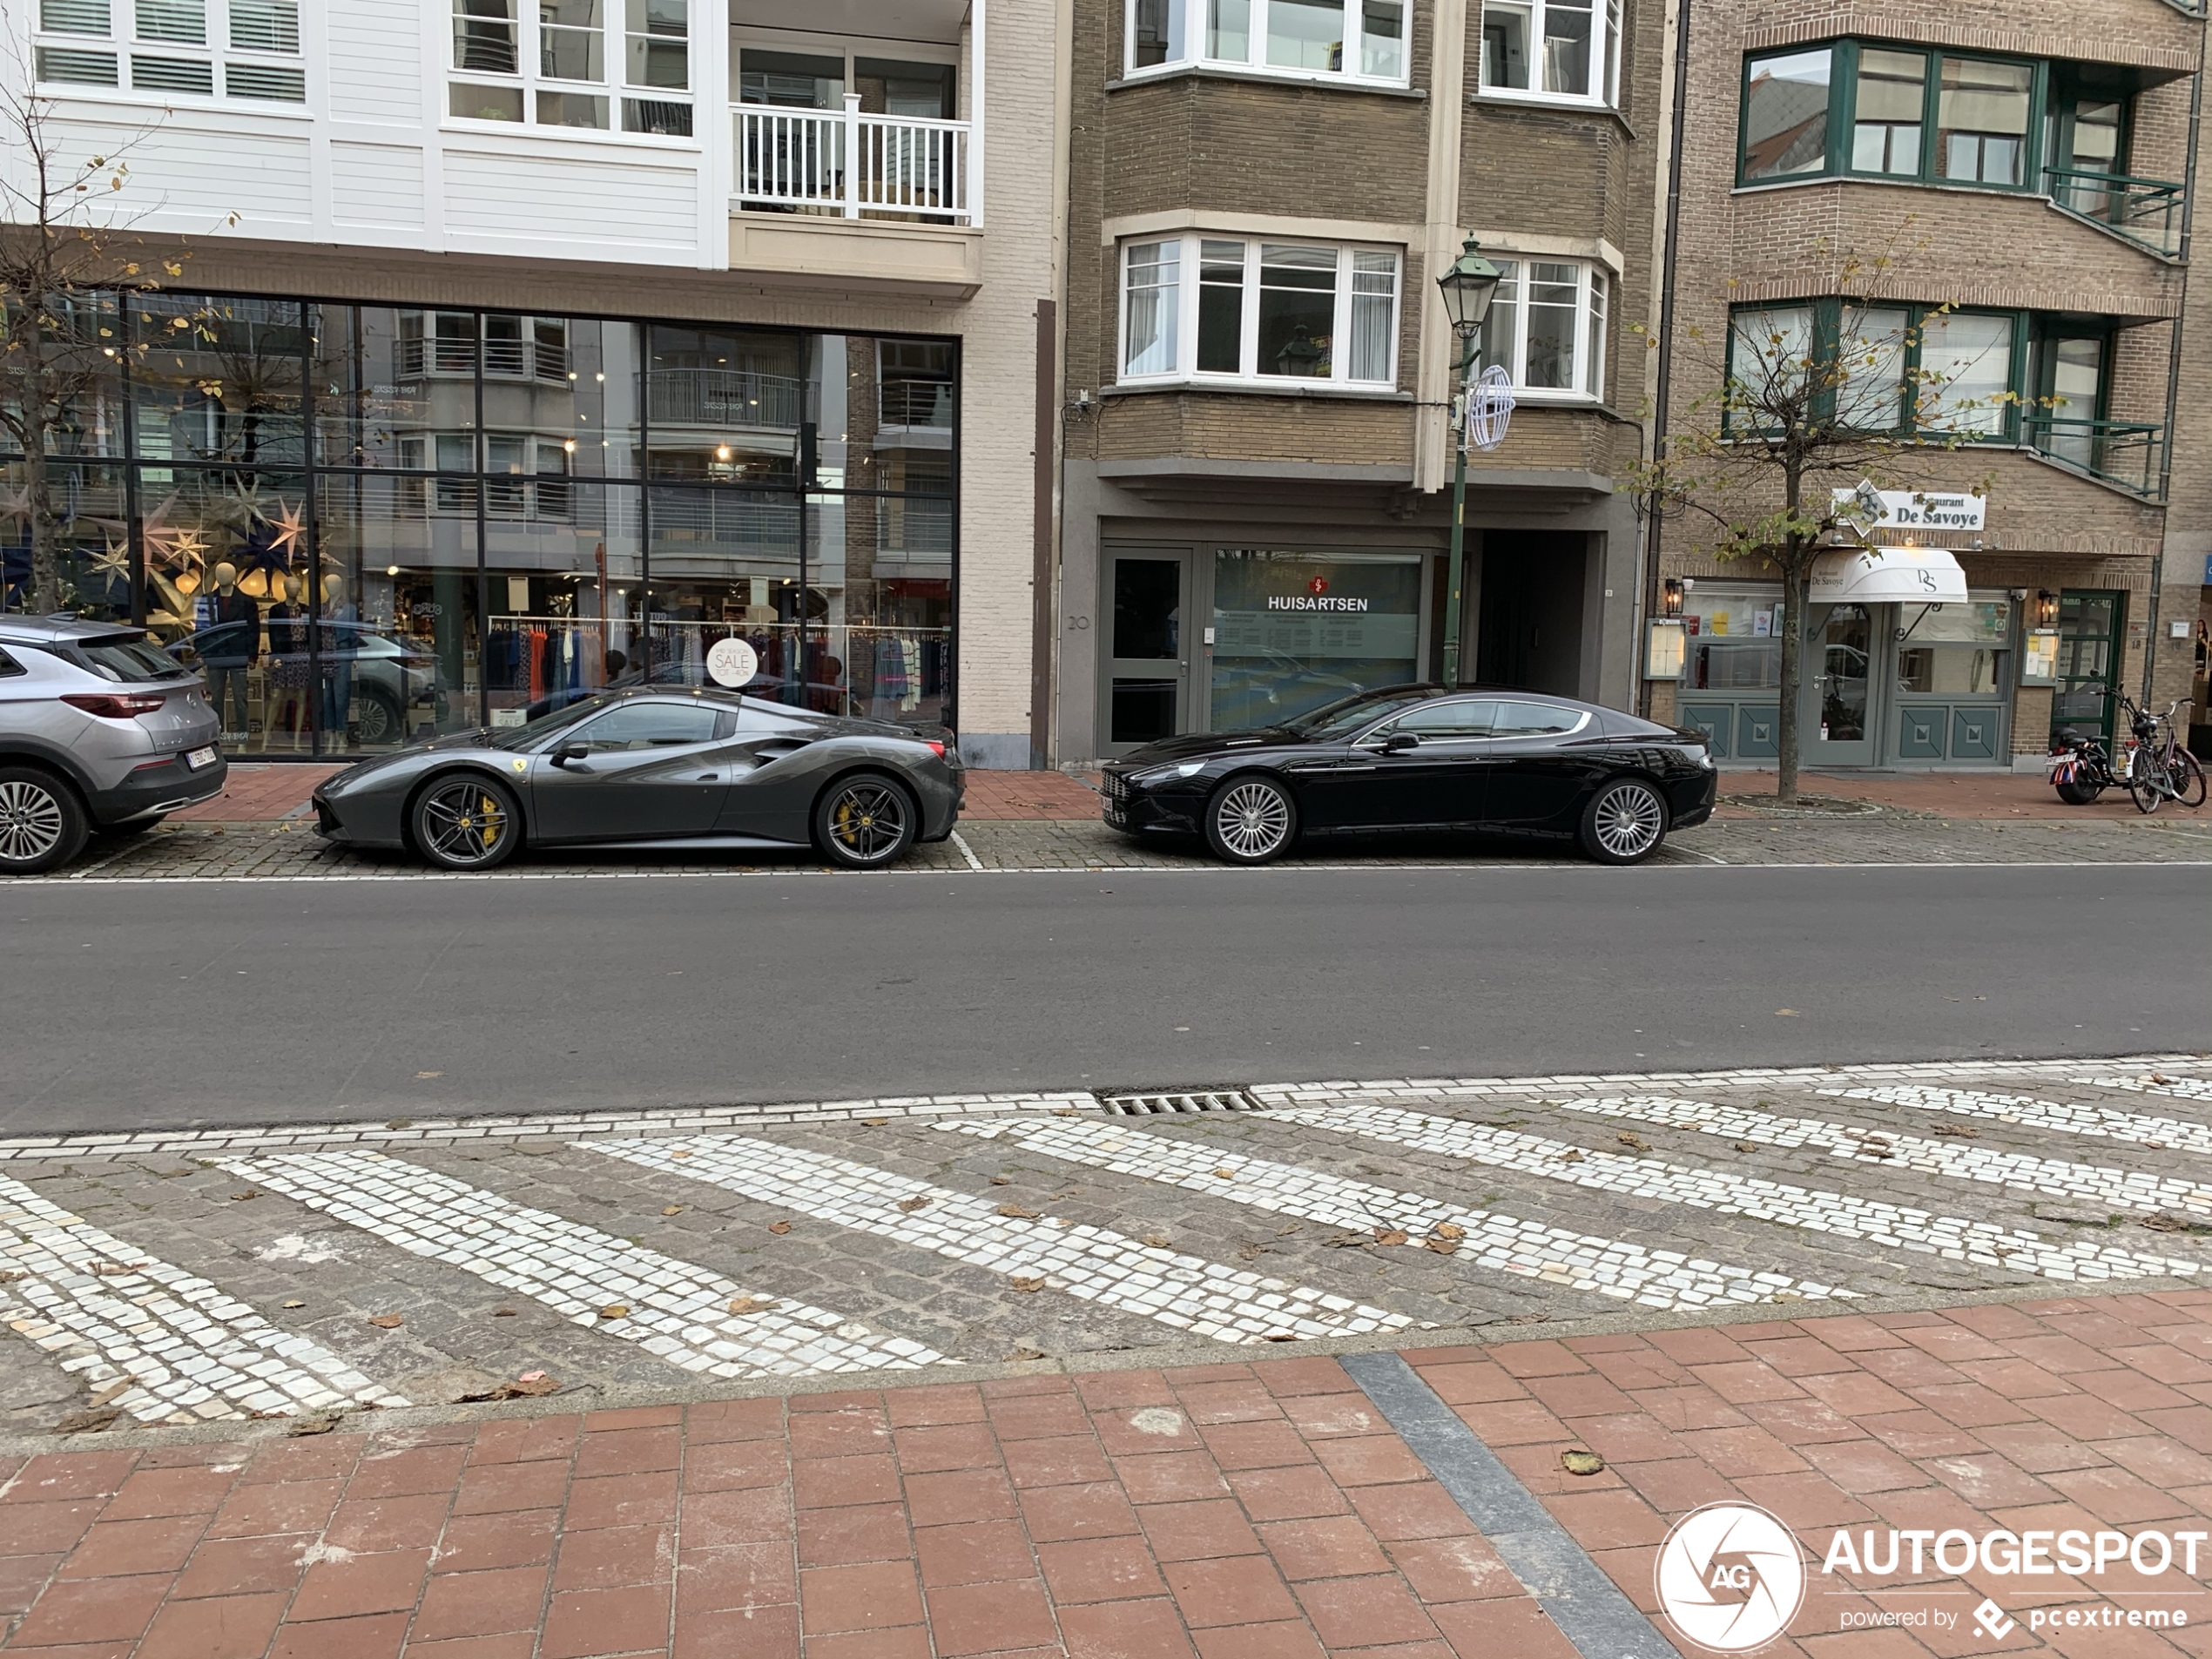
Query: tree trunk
point(45, 570)
point(1795, 586)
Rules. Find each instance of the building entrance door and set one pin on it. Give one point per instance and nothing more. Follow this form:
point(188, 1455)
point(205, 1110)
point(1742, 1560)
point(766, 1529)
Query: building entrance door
point(1147, 694)
point(1842, 682)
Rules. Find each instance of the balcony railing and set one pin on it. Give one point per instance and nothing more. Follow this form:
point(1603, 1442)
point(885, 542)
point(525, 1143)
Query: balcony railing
point(850, 164)
point(2148, 211)
point(2130, 454)
point(725, 397)
point(416, 354)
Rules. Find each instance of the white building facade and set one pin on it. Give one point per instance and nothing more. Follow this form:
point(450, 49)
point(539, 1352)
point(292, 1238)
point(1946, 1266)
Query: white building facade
point(526, 346)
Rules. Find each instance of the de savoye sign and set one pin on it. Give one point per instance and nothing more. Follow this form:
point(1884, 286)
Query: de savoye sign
point(1916, 509)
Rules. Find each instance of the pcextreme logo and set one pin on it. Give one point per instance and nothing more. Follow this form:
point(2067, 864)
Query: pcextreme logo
point(1730, 1577)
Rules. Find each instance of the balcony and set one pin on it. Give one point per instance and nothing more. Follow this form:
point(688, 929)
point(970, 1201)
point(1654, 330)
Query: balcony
point(721, 398)
point(2129, 454)
point(2146, 212)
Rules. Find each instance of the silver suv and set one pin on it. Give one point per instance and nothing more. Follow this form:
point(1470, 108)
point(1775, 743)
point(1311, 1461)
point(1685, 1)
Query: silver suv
point(99, 729)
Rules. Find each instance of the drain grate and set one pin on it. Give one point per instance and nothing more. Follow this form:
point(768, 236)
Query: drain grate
point(1218, 1100)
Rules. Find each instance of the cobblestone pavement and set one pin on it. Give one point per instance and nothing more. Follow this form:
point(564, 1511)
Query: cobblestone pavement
point(185, 1276)
point(201, 851)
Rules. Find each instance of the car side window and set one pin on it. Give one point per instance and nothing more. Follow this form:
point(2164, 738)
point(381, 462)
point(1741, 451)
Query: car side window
point(651, 726)
point(10, 666)
point(1438, 722)
point(1536, 720)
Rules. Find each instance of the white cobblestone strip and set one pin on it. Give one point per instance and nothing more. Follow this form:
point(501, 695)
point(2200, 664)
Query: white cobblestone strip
point(672, 1120)
point(670, 1308)
point(1841, 1215)
point(2055, 1177)
point(2063, 1117)
point(1656, 1278)
point(1091, 1263)
point(151, 1340)
point(2180, 1088)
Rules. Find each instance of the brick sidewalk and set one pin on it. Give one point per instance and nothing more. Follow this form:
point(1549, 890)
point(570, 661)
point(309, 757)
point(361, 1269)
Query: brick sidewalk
point(1261, 1511)
point(260, 794)
point(1957, 795)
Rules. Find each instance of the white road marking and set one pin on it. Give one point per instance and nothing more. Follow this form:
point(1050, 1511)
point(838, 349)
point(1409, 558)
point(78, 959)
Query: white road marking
point(1899, 1226)
point(2130, 1189)
point(674, 1310)
point(968, 852)
point(160, 1344)
point(1658, 1278)
point(2104, 1123)
point(1091, 1263)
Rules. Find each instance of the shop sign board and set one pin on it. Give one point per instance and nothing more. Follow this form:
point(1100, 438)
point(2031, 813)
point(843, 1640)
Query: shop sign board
point(731, 662)
point(2040, 660)
point(1916, 509)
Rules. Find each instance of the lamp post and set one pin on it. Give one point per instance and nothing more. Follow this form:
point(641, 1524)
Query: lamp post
point(1468, 286)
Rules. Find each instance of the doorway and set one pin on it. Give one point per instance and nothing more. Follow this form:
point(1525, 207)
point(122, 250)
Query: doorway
point(1531, 612)
point(1844, 716)
point(2089, 622)
point(1147, 661)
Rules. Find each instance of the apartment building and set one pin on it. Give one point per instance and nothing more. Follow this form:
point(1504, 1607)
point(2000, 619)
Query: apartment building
point(1256, 491)
point(525, 345)
point(2027, 168)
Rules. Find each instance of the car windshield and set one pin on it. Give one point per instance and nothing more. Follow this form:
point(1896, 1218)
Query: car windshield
point(529, 735)
point(131, 659)
point(1347, 715)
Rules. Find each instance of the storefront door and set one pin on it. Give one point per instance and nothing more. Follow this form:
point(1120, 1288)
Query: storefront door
point(2088, 659)
point(1843, 675)
point(1148, 648)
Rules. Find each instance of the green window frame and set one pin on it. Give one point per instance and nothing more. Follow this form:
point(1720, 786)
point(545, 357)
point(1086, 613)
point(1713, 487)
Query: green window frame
point(1827, 321)
point(1869, 129)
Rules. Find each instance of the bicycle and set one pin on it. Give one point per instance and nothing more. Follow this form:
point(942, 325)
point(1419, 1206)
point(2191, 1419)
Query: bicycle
point(2162, 770)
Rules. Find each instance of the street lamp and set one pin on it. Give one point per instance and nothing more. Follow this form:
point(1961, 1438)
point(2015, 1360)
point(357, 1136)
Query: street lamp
point(1468, 286)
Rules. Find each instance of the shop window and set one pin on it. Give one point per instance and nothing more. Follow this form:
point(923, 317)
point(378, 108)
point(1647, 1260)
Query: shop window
point(1259, 312)
point(1878, 368)
point(1557, 51)
point(1731, 637)
point(1547, 328)
point(1354, 41)
point(574, 65)
point(239, 50)
point(1956, 651)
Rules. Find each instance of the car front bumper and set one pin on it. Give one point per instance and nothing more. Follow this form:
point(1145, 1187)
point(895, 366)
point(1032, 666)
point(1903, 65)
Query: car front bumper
point(1135, 810)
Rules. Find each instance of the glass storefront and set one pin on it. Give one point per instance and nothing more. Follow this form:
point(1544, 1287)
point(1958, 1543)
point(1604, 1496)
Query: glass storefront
point(1294, 630)
point(368, 523)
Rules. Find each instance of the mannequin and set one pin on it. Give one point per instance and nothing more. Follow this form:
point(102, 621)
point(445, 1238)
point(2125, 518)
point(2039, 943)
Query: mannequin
point(233, 644)
point(287, 620)
point(340, 645)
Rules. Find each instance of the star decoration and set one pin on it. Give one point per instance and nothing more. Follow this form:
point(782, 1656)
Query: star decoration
point(290, 524)
point(113, 563)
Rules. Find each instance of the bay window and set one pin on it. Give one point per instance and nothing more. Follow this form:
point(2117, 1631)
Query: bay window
point(1349, 40)
point(1554, 50)
point(236, 49)
point(590, 64)
point(1881, 369)
point(1547, 327)
point(1215, 308)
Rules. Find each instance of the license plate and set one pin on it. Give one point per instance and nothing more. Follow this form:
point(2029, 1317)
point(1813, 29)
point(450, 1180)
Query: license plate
point(199, 758)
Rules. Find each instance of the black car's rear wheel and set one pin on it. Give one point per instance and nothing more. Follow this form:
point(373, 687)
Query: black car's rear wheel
point(467, 823)
point(42, 824)
point(1251, 820)
point(1624, 822)
point(865, 822)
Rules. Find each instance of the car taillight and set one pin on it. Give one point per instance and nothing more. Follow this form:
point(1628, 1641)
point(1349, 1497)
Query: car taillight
point(935, 747)
point(116, 705)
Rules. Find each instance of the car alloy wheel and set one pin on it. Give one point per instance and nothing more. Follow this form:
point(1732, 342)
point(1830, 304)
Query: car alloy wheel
point(1627, 821)
point(466, 824)
point(32, 823)
point(1251, 820)
point(866, 821)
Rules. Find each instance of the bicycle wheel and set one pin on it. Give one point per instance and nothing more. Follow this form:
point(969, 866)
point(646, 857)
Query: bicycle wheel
point(2146, 783)
point(2188, 779)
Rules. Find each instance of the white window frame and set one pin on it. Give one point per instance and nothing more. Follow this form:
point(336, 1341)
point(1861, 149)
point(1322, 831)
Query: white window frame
point(1184, 371)
point(1605, 52)
point(1187, 24)
point(1596, 289)
point(613, 84)
point(123, 41)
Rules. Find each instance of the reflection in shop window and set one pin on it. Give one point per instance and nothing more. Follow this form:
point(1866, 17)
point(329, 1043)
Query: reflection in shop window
point(1295, 630)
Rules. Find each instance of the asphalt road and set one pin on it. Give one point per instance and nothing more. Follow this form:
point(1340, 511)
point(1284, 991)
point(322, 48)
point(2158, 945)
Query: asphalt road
point(192, 1004)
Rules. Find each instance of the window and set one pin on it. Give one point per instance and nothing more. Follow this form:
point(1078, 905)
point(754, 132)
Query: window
point(1259, 312)
point(1956, 650)
point(589, 64)
point(1905, 112)
point(1553, 48)
point(1441, 722)
point(1352, 40)
point(1883, 368)
point(1536, 720)
point(1547, 327)
point(241, 50)
point(643, 724)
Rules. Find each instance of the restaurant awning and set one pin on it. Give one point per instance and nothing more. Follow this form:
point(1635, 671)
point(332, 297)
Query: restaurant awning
point(1888, 575)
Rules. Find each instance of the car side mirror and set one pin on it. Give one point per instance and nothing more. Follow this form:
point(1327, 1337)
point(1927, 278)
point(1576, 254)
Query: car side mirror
point(1398, 742)
point(569, 751)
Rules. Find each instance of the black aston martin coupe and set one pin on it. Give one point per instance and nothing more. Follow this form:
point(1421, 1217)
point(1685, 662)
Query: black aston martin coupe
point(1421, 757)
point(655, 767)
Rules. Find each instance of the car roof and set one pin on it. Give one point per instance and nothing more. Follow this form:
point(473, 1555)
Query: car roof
point(63, 629)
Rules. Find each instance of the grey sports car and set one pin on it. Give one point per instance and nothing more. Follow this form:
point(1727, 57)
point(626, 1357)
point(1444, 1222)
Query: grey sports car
point(655, 767)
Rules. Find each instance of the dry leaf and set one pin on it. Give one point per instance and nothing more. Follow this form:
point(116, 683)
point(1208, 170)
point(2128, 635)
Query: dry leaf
point(240, 1198)
point(615, 1311)
point(1024, 1283)
point(780, 1226)
point(1969, 1131)
point(113, 1391)
point(875, 1122)
point(1747, 1146)
point(912, 1204)
point(1443, 1246)
point(1580, 1462)
point(429, 1074)
point(1002, 1180)
point(1251, 1253)
point(1027, 1354)
point(531, 1384)
point(1389, 1236)
point(112, 1268)
point(1063, 1111)
point(672, 1210)
point(502, 1314)
point(387, 1321)
point(2165, 1223)
point(1278, 1336)
point(1448, 1230)
point(681, 1152)
point(751, 1304)
point(1634, 1142)
point(1570, 1157)
point(318, 1425)
point(1226, 1175)
point(295, 1305)
point(1018, 1212)
point(1785, 1014)
point(87, 1422)
point(1158, 1241)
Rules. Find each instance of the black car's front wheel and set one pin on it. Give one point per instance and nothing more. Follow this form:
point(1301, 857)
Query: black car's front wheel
point(467, 823)
point(1251, 820)
point(1624, 823)
point(865, 822)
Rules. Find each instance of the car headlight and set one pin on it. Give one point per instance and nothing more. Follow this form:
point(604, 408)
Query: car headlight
point(1702, 759)
point(1162, 774)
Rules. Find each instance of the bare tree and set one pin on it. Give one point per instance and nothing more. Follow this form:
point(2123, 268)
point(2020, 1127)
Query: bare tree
point(1805, 402)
